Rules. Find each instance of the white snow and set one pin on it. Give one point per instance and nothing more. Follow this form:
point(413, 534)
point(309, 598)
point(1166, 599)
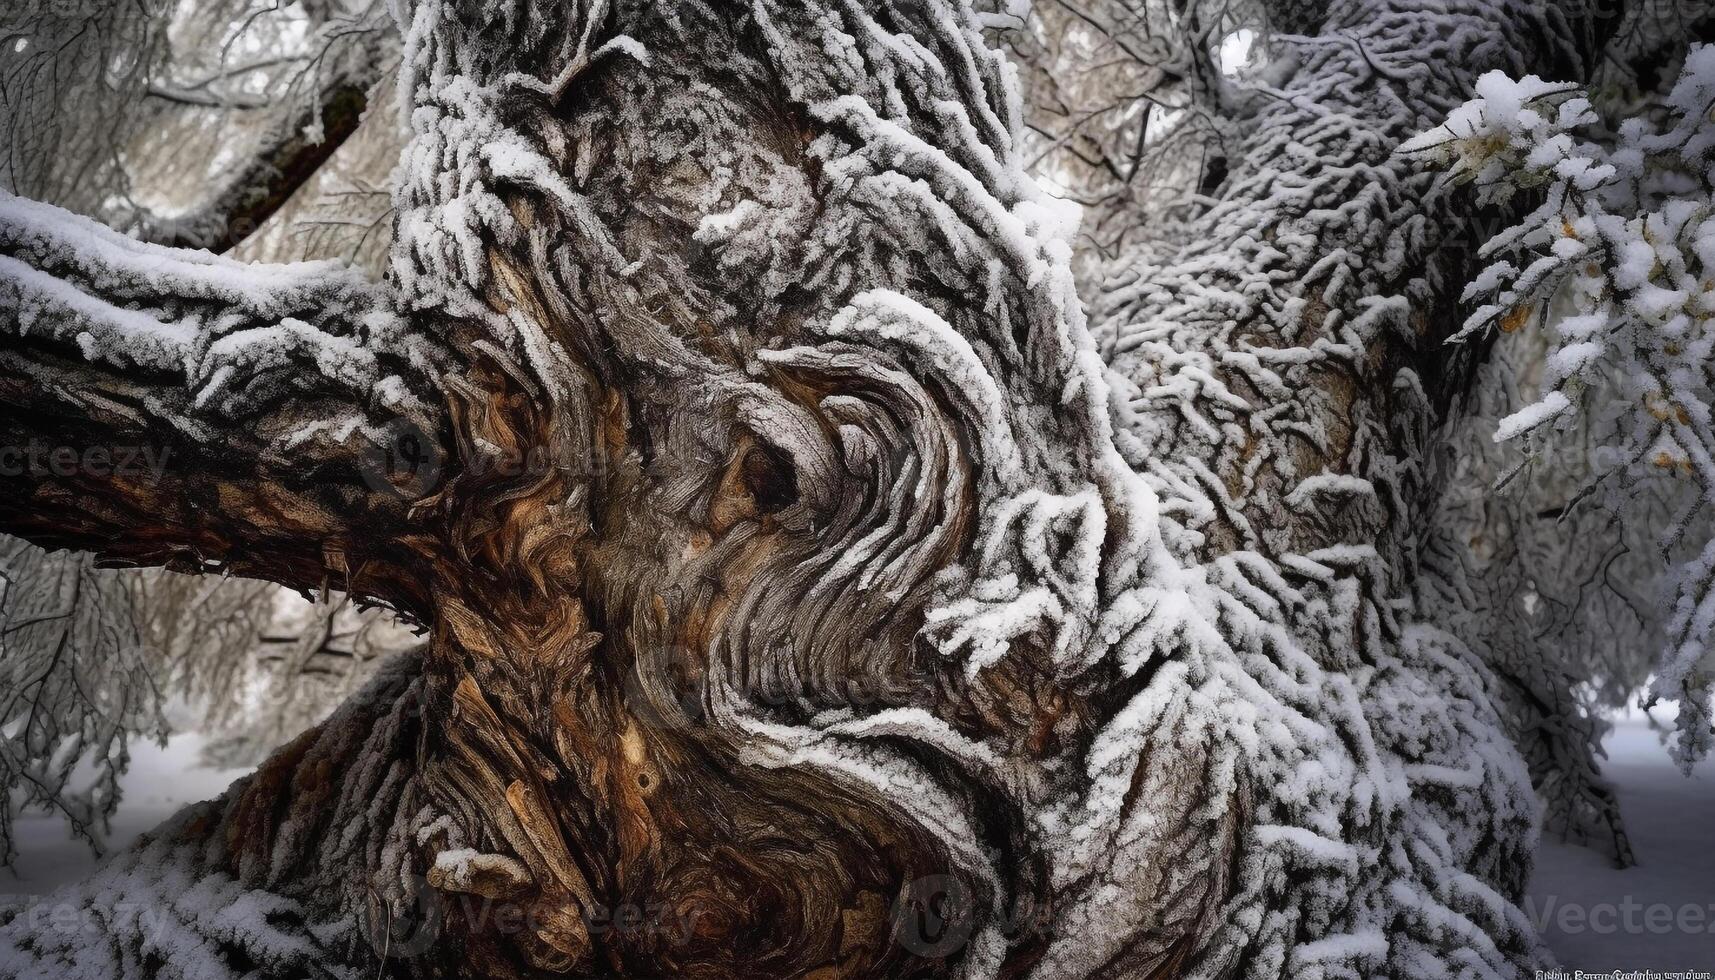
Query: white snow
point(1598, 917)
point(160, 780)
point(1531, 416)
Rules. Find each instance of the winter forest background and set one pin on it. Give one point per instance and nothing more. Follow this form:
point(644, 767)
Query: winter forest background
point(1568, 542)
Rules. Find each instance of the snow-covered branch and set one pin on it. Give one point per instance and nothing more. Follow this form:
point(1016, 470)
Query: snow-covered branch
point(321, 96)
point(1616, 259)
point(173, 407)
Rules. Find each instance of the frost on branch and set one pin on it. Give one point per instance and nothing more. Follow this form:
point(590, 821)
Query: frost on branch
point(233, 334)
point(1615, 263)
point(226, 376)
point(181, 122)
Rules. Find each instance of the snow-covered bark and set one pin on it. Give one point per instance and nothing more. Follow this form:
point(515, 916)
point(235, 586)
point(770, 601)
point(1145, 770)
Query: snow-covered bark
point(1283, 380)
point(174, 408)
point(788, 570)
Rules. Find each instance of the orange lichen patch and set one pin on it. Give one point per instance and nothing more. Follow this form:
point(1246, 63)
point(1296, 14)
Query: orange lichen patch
point(1515, 318)
point(1675, 464)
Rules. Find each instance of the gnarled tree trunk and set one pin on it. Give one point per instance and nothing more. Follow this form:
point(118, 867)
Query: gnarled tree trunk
point(808, 591)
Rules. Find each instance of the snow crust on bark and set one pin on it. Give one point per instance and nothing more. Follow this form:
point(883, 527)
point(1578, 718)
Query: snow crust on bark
point(917, 156)
point(1280, 355)
point(234, 334)
point(1194, 523)
point(1392, 816)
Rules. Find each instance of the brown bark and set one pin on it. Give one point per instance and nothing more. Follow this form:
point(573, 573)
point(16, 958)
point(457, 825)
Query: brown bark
point(571, 599)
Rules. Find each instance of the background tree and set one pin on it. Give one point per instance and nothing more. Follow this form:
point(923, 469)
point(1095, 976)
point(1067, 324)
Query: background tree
point(796, 561)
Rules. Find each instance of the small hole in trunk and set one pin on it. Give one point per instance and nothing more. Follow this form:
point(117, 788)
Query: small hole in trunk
point(769, 477)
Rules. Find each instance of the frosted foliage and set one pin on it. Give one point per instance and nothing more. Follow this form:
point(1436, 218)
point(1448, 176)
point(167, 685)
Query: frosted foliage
point(304, 659)
point(74, 687)
point(163, 118)
point(251, 665)
point(1087, 133)
point(69, 83)
point(96, 657)
point(1558, 600)
point(1614, 264)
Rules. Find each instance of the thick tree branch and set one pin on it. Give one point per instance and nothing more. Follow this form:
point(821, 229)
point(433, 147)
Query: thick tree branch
point(171, 408)
point(321, 107)
point(834, 600)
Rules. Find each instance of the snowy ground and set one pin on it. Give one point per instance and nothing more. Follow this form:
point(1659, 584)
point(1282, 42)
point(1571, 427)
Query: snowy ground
point(1659, 915)
point(159, 782)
